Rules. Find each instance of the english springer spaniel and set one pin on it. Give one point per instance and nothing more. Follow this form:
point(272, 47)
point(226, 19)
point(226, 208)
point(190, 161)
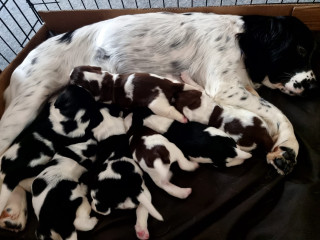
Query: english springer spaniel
point(217, 51)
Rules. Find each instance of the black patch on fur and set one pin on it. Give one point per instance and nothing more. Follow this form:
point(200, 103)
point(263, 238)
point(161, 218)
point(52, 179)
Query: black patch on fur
point(67, 37)
point(187, 14)
point(38, 186)
point(218, 38)
point(194, 141)
point(13, 225)
point(34, 61)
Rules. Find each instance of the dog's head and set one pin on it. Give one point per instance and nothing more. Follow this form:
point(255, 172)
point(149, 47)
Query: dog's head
point(278, 53)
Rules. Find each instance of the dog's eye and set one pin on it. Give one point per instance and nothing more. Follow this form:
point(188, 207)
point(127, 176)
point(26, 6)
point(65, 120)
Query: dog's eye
point(302, 51)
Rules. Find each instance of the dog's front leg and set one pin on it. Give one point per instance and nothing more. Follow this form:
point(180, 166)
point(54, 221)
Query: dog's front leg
point(285, 149)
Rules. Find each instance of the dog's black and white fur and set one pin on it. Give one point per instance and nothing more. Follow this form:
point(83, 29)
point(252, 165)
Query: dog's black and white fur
point(217, 51)
point(197, 141)
point(59, 198)
point(67, 119)
point(117, 180)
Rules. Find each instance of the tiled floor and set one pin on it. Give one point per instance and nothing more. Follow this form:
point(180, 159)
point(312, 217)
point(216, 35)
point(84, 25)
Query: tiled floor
point(17, 19)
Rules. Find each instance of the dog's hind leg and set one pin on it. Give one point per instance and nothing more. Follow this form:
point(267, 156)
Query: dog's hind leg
point(14, 215)
point(164, 183)
point(285, 149)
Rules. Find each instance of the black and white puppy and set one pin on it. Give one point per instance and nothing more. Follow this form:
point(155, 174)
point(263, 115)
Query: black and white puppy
point(59, 198)
point(117, 180)
point(198, 142)
point(67, 119)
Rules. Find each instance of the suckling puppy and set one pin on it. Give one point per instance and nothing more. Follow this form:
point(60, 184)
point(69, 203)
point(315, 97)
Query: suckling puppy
point(197, 141)
point(130, 90)
point(117, 181)
point(245, 127)
point(155, 155)
point(59, 199)
point(67, 119)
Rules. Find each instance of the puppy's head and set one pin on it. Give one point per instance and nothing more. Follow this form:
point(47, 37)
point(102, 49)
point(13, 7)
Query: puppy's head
point(282, 49)
point(73, 99)
point(115, 186)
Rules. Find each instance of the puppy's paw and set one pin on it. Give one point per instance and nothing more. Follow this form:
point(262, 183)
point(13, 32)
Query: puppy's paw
point(13, 219)
point(142, 233)
point(283, 159)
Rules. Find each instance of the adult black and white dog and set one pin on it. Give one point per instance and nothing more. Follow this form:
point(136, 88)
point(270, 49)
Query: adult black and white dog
point(216, 50)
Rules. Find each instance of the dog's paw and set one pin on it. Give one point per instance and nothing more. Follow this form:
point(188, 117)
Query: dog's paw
point(283, 159)
point(142, 233)
point(13, 219)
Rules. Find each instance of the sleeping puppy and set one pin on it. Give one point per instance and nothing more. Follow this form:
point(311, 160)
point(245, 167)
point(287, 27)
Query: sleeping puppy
point(67, 119)
point(197, 141)
point(155, 154)
point(130, 90)
point(117, 181)
point(245, 127)
point(59, 197)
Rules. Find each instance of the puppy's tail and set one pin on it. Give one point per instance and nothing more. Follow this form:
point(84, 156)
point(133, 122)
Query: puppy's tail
point(146, 202)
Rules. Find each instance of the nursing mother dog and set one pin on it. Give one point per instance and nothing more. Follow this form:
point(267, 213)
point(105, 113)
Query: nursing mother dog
point(224, 54)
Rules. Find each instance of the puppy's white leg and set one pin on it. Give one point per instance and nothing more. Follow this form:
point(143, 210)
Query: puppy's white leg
point(286, 147)
point(14, 215)
point(83, 221)
point(141, 226)
point(73, 236)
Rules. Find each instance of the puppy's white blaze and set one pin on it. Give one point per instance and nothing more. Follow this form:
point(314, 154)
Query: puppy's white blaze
point(91, 76)
point(216, 132)
point(242, 154)
point(158, 123)
point(200, 159)
point(128, 121)
point(129, 87)
point(108, 173)
point(43, 159)
point(109, 126)
point(114, 77)
point(12, 152)
point(142, 198)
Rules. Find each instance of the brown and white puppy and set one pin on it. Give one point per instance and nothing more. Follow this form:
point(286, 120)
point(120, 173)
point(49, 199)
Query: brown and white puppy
point(131, 90)
point(155, 155)
point(117, 180)
point(247, 128)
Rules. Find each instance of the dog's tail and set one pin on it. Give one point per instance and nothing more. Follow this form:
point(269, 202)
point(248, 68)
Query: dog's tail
point(146, 202)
